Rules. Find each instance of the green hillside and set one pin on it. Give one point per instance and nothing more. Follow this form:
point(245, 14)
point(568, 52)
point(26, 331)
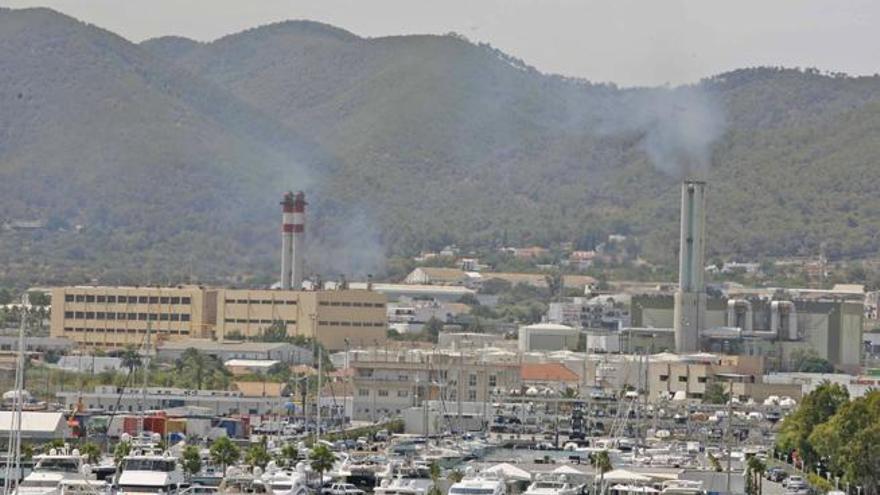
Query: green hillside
point(171, 155)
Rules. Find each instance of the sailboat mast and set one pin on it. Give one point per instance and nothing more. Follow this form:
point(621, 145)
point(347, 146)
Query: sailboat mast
point(145, 365)
point(13, 452)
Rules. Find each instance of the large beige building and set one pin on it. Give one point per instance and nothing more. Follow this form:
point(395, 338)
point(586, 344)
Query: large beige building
point(112, 317)
point(108, 317)
point(340, 318)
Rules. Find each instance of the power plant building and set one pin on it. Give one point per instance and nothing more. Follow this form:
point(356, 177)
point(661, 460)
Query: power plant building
point(115, 317)
point(774, 325)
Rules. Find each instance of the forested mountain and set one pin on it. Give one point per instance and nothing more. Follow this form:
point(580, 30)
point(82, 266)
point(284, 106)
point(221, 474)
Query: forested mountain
point(172, 154)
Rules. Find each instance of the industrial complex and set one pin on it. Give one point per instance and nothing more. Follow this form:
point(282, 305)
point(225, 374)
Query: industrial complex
point(114, 317)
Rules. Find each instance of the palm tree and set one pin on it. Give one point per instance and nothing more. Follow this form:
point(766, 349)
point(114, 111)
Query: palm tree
point(756, 468)
point(131, 359)
point(122, 450)
point(92, 452)
point(195, 362)
point(258, 454)
point(435, 479)
point(455, 476)
point(288, 454)
point(224, 452)
point(322, 460)
point(602, 462)
point(192, 460)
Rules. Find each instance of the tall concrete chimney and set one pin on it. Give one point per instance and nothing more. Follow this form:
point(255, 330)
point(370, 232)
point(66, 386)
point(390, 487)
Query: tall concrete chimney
point(287, 205)
point(690, 298)
point(299, 240)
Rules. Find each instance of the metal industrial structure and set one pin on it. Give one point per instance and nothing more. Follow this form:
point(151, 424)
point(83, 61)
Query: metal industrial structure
point(690, 298)
point(293, 228)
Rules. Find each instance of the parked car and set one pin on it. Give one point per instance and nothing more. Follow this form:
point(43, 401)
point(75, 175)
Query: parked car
point(342, 489)
point(794, 481)
point(776, 474)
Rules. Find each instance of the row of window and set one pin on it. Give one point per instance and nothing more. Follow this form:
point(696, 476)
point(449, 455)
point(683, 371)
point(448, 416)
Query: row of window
point(260, 322)
point(363, 392)
point(351, 324)
point(101, 315)
point(471, 394)
point(260, 301)
point(91, 298)
point(683, 378)
point(350, 304)
point(123, 330)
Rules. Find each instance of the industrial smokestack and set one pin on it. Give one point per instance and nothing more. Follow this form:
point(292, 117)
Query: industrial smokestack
point(690, 298)
point(299, 239)
point(287, 206)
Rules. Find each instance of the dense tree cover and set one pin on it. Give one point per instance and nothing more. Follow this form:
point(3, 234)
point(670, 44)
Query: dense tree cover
point(176, 151)
point(848, 442)
point(817, 407)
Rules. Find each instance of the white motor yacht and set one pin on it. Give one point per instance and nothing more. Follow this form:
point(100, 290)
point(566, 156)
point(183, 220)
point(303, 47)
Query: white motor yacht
point(51, 470)
point(481, 484)
point(83, 487)
point(553, 484)
point(148, 470)
point(286, 481)
point(404, 486)
point(239, 482)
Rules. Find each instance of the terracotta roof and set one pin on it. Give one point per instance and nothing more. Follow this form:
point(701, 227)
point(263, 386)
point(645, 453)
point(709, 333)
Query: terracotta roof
point(261, 389)
point(547, 372)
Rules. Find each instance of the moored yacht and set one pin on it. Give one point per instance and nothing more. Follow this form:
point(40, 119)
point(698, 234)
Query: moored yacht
point(51, 470)
point(553, 484)
point(149, 470)
point(481, 484)
point(286, 481)
point(404, 486)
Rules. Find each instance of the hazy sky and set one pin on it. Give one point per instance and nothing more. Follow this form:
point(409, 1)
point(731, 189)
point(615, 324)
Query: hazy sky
point(630, 42)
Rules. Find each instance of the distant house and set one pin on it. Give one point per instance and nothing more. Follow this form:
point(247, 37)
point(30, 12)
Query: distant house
point(437, 276)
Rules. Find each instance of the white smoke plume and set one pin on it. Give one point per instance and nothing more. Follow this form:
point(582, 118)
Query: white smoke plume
point(678, 126)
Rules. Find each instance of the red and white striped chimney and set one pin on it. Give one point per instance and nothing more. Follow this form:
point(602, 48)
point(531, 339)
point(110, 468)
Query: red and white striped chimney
point(299, 240)
point(287, 228)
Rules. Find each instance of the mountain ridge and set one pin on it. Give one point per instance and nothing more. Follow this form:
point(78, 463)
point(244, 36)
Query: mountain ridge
point(181, 149)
